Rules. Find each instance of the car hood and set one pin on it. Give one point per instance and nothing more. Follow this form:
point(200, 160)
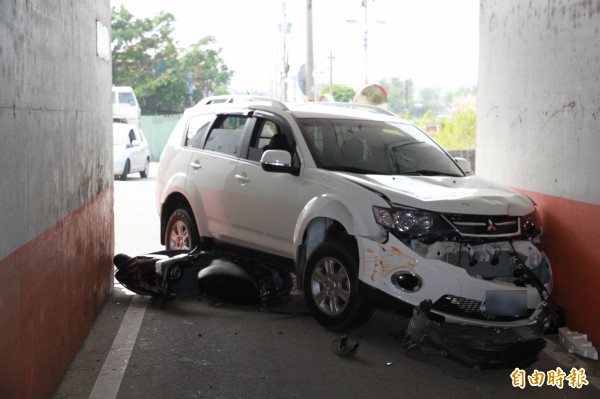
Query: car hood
point(464, 195)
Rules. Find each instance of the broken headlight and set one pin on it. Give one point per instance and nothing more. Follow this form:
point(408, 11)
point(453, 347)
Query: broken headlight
point(530, 227)
point(410, 221)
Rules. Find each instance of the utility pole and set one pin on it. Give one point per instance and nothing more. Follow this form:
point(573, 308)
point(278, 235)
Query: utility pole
point(365, 2)
point(331, 72)
point(286, 65)
point(309, 52)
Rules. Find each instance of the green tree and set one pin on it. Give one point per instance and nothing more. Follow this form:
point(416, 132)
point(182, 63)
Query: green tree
point(461, 92)
point(206, 72)
point(166, 79)
point(458, 132)
point(343, 94)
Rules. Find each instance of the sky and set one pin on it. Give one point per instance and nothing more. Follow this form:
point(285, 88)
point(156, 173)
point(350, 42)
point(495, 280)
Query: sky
point(433, 42)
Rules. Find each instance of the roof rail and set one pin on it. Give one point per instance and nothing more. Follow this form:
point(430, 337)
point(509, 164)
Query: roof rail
point(242, 98)
point(364, 107)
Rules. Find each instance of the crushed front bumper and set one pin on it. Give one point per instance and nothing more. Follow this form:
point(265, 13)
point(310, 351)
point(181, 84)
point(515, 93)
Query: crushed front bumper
point(456, 295)
point(479, 347)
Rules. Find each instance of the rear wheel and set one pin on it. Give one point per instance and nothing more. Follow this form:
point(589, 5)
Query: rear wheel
point(331, 288)
point(181, 232)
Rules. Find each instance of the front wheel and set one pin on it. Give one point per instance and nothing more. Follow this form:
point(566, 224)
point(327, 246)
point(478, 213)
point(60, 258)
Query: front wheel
point(144, 173)
point(181, 232)
point(331, 288)
point(126, 169)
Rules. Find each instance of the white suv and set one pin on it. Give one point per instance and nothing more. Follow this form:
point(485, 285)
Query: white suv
point(362, 206)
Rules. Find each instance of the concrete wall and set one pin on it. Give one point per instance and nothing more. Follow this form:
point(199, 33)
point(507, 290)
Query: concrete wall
point(56, 218)
point(538, 130)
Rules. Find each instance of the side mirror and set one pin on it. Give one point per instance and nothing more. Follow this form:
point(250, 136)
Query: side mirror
point(277, 161)
point(464, 164)
point(135, 143)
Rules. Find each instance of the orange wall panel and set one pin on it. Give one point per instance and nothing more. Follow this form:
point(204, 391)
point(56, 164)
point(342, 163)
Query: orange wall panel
point(572, 242)
point(51, 290)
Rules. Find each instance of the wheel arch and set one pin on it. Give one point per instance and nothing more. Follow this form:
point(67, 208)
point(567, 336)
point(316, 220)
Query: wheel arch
point(318, 230)
point(174, 201)
point(329, 217)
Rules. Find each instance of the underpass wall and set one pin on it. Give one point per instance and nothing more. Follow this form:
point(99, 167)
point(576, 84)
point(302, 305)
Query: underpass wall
point(538, 131)
point(57, 239)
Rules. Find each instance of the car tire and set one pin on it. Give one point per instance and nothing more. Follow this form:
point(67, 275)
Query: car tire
point(144, 173)
point(126, 169)
point(181, 232)
point(331, 288)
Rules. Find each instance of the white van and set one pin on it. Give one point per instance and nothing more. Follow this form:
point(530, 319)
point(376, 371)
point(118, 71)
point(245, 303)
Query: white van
point(125, 105)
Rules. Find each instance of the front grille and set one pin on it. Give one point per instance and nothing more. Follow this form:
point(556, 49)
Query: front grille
point(485, 226)
point(469, 308)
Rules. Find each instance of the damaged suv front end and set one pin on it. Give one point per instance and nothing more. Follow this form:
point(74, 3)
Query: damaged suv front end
point(477, 281)
point(477, 269)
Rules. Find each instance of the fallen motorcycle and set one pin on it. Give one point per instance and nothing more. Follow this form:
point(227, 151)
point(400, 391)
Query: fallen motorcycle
point(164, 275)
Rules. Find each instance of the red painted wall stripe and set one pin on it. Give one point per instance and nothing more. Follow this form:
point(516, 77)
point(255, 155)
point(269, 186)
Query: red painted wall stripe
point(572, 242)
point(51, 290)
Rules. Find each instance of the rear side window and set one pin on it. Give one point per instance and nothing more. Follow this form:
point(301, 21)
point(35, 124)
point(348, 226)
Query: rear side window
point(197, 129)
point(226, 135)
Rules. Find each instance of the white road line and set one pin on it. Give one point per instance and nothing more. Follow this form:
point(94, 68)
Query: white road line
point(110, 377)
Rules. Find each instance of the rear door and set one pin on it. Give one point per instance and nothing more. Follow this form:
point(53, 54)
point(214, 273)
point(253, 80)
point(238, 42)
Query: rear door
point(211, 170)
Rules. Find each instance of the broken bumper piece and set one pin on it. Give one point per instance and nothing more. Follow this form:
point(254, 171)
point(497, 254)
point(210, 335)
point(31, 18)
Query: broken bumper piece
point(479, 347)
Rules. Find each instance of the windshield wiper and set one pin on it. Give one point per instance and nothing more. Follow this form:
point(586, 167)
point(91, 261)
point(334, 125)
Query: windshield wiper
point(352, 169)
point(427, 172)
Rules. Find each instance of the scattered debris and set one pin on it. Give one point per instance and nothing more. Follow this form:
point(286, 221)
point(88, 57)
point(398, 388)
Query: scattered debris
point(340, 346)
point(577, 343)
point(478, 347)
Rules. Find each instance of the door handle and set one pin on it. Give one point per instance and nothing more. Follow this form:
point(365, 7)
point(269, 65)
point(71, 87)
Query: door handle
point(196, 165)
point(243, 178)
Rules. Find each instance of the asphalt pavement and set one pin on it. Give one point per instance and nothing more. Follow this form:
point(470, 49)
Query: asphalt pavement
point(200, 347)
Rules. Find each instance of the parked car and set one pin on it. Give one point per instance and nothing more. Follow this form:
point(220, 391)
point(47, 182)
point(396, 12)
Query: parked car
point(130, 151)
point(363, 207)
point(125, 106)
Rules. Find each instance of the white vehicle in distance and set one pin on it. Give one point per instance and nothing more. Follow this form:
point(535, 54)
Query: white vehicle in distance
point(363, 207)
point(130, 151)
point(125, 106)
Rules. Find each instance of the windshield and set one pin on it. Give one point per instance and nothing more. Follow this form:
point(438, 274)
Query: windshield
point(123, 97)
point(375, 147)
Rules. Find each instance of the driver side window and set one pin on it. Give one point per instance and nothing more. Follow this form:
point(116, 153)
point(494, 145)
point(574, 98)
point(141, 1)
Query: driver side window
point(268, 135)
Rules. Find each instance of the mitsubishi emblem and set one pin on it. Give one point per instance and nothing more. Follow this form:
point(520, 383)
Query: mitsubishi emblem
point(491, 226)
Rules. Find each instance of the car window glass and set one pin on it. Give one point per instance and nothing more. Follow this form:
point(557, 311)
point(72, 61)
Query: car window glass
point(375, 147)
point(196, 129)
point(126, 98)
point(269, 135)
point(263, 134)
point(226, 134)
